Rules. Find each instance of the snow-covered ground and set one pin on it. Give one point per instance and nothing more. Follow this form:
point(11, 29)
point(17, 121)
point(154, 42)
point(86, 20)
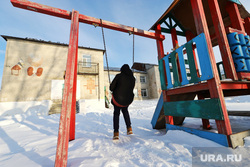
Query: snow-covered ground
point(30, 139)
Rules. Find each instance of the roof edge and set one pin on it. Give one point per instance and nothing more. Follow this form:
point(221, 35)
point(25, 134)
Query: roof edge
point(6, 37)
point(165, 13)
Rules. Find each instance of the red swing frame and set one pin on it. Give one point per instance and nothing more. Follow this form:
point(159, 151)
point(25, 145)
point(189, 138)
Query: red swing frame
point(67, 120)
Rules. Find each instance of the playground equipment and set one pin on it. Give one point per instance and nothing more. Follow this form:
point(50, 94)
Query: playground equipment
point(205, 24)
point(177, 96)
point(67, 119)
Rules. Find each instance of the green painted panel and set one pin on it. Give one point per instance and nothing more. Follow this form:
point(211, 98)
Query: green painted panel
point(175, 69)
point(206, 109)
point(186, 61)
point(166, 30)
point(162, 75)
point(189, 49)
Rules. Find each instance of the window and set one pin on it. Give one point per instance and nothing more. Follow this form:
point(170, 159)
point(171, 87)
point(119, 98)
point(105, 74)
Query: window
point(86, 61)
point(144, 93)
point(143, 79)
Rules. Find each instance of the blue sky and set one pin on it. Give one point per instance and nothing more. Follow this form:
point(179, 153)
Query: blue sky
point(141, 14)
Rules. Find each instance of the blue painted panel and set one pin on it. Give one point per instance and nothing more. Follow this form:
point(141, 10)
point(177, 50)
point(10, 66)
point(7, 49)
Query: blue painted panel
point(233, 39)
point(218, 138)
point(245, 51)
point(242, 39)
point(157, 111)
point(247, 60)
point(247, 39)
point(204, 59)
point(236, 51)
point(169, 77)
point(240, 65)
point(168, 73)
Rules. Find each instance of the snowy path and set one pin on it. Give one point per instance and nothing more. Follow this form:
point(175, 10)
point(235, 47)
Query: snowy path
point(30, 140)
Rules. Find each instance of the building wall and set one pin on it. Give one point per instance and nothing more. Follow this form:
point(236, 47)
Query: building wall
point(92, 86)
point(34, 71)
point(139, 86)
point(43, 63)
point(154, 82)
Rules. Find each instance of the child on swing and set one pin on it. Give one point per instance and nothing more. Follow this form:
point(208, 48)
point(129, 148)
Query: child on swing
point(122, 96)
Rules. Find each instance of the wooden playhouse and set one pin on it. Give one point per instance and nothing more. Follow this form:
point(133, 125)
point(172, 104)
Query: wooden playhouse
point(190, 70)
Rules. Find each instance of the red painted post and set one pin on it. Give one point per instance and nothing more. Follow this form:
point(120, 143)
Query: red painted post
point(159, 43)
point(247, 25)
point(73, 111)
point(36, 7)
point(222, 40)
point(189, 36)
point(234, 14)
point(214, 84)
point(169, 119)
point(64, 126)
point(175, 45)
point(205, 122)
point(174, 37)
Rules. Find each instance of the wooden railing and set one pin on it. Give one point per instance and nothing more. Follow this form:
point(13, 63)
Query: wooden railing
point(175, 62)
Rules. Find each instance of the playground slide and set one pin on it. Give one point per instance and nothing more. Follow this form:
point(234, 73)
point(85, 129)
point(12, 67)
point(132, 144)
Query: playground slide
point(158, 120)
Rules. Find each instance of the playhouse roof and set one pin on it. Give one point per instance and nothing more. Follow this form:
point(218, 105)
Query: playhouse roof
point(180, 12)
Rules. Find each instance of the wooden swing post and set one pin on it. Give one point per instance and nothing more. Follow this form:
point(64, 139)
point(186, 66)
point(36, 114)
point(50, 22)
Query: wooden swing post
point(67, 120)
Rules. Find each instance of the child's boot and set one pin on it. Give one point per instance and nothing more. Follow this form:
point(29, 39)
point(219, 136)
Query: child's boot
point(116, 136)
point(129, 130)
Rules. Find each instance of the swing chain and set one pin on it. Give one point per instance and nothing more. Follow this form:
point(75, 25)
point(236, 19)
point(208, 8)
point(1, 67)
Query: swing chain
point(105, 52)
point(132, 32)
point(133, 49)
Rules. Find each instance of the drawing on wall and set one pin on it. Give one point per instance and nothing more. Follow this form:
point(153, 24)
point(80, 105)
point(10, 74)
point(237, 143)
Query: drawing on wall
point(107, 92)
point(16, 69)
point(30, 71)
point(35, 62)
point(139, 92)
point(91, 85)
point(39, 71)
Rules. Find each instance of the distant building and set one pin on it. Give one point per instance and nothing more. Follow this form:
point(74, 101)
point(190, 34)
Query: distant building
point(34, 69)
